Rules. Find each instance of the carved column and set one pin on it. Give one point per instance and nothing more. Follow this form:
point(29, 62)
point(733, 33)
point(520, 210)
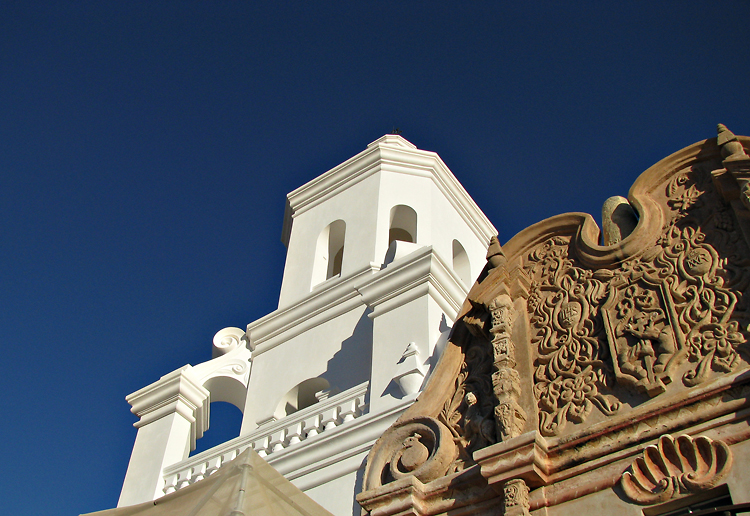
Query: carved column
point(510, 418)
point(733, 181)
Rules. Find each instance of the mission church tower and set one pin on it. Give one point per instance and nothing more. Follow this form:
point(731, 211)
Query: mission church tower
point(381, 252)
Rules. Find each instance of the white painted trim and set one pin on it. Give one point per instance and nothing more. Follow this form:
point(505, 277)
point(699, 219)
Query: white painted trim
point(178, 391)
point(394, 154)
point(333, 298)
point(416, 274)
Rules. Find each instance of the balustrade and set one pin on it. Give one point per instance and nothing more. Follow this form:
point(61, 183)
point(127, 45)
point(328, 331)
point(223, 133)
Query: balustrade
point(272, 437)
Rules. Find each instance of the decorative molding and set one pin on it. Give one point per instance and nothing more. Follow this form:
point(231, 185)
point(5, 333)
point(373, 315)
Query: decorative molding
point(675, 467)
point(510, 418)
point(391, 153)
point(418, 273)
point(337, 297)
point(616, 344)
point(178, 391)
point(410, 372)
point(516, 498)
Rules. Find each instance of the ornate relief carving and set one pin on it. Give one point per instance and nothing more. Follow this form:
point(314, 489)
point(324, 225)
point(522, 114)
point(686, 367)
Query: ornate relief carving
point(572, 365)
point(516, 498)
point(677, 311)
point(422, 447)
point(676, 466)
point(510, 418)
point(469, 412)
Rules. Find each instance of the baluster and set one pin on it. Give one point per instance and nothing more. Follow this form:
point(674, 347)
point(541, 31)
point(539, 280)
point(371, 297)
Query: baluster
point(276, 441)
point(182, 480)
point(329, 418)
point(348, 411)
point(295, 433)
point(261, 446)
point(170, 484)
point(197, 473)
point(312, 425)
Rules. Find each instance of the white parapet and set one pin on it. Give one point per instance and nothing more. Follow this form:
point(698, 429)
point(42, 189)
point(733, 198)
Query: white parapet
point(272, 437)
point(173, 413)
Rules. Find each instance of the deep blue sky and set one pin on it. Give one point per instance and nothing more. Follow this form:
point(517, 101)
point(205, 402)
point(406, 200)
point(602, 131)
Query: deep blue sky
point(146, 149)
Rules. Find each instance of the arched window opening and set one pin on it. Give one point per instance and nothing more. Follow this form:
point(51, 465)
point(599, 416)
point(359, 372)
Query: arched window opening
point(301, 396)
point(402, 224)
point(329, 252)
point(461, 263)
point(225, 423)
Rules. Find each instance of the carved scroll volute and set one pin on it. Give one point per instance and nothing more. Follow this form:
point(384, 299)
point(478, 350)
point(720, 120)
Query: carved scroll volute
point(676, 466)
point(421, 446)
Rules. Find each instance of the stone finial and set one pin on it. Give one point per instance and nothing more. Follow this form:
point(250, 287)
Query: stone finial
point(495, 254)
point(618, 220)
point(731, 148)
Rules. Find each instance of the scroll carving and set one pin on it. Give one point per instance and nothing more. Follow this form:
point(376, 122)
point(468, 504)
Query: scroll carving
point(676, 312)
point(676, 466)
point(573, 363)
point(422, 447)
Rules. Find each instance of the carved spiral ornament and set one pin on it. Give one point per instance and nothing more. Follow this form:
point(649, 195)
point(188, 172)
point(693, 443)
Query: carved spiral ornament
point(676, 466)
point(422, 447)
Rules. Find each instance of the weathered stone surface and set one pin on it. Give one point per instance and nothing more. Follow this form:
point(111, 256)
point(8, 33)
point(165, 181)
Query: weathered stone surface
point(570, 359)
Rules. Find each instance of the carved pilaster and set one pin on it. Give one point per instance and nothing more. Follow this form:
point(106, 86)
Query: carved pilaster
point(733, 181)
point(516, 498)
point(510, 418)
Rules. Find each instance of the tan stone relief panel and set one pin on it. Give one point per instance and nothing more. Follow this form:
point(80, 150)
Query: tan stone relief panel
point(569, 355)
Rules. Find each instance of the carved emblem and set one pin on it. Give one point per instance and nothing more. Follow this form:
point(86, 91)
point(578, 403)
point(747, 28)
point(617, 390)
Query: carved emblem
point(676, 466)
point(678, 311)
point(641, 333)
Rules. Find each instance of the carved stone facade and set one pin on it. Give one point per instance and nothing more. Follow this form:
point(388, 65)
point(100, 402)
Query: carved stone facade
point(581, 374)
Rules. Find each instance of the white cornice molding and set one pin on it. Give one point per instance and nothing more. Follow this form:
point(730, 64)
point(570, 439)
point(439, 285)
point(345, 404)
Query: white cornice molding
point(329, 300)
point(394, 154)
point(416, 274)
point(177, 392)
point(330, 450)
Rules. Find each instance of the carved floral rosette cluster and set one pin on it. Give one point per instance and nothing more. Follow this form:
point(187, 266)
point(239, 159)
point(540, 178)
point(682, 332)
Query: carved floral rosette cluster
point(676, 311)
point(676, 466)
point(572, 365)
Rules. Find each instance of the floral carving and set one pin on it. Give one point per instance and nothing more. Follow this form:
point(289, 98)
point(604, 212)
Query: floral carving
point(676, 466)
point(676, 311)
point(572, 366)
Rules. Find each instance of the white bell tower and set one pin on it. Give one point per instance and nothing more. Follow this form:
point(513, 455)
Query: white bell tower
point(381, 251)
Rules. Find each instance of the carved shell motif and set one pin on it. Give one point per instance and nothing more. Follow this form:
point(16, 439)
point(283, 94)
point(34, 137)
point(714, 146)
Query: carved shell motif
point(676, 466)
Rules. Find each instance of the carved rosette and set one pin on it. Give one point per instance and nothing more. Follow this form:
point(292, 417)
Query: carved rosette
point(674, 467)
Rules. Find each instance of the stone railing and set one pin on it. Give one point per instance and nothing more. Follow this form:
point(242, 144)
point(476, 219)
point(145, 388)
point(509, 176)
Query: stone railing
point(272, 437)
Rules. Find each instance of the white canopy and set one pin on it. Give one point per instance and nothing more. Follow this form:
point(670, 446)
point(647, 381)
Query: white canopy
point(247, 486)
